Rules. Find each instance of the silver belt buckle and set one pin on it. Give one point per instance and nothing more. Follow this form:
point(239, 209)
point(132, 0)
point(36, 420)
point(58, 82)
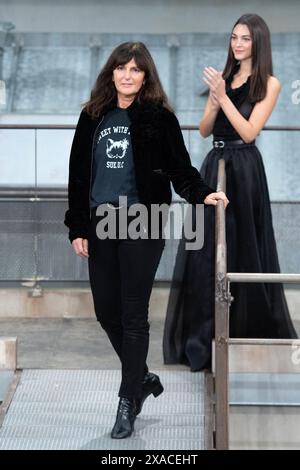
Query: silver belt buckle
point(219, 144)
point(111, 206)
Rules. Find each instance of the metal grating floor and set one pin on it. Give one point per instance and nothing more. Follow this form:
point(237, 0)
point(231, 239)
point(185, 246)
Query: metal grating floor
point(75, 409)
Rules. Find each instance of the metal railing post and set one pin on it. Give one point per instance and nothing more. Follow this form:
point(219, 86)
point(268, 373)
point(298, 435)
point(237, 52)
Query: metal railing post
point(222, 300)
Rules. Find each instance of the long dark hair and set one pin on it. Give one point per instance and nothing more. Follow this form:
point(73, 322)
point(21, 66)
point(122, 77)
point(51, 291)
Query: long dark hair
point(262, 66)
point(104, 91)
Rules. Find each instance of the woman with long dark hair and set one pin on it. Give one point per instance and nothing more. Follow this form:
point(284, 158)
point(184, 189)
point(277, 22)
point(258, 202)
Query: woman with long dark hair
point(240, 101)
point(127, 143)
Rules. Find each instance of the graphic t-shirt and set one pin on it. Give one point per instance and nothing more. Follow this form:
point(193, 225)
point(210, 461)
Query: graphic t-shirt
point(113, 172)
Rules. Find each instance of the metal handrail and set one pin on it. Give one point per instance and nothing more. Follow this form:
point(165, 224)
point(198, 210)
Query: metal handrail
point(37, 126)
point(264, 277)
point(185, 127)
point(222, 305)
point(33, 192)
point(221, 321)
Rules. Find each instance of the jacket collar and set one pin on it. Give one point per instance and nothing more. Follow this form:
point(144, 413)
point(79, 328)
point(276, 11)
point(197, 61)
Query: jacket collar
point(135, 109)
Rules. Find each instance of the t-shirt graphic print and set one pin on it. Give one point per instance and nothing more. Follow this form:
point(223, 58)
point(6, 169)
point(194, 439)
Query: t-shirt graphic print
point(113, 172)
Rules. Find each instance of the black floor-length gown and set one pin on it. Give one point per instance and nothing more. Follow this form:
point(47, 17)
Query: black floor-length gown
point(258, 310)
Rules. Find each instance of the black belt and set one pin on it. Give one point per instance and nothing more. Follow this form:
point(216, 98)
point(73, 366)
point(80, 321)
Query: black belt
point(219, 144)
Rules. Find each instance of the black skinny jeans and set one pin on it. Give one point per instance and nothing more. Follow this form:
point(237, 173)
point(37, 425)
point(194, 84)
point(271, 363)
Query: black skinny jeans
point(121, 274)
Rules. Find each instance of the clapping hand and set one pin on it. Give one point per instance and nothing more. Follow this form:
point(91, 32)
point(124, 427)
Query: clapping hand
point(215, 82)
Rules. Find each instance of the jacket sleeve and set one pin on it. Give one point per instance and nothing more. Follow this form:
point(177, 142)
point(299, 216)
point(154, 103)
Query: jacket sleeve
point(185, 178)
point(77, 215)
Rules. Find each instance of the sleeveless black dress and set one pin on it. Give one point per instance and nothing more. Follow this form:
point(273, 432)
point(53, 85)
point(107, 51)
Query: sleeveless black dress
point(258, 310)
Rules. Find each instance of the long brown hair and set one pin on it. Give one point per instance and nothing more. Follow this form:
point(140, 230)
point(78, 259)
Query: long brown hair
point(262, 66)
point(104, 92)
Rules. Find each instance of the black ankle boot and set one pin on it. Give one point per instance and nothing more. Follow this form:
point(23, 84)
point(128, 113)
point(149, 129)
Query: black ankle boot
point(126, 415)
point(151, 384)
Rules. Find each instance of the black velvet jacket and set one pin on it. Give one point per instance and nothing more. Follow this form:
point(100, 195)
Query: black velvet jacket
point(159, 155)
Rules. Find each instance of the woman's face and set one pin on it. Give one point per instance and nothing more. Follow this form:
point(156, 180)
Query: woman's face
point(241, 42)
point(128, 79)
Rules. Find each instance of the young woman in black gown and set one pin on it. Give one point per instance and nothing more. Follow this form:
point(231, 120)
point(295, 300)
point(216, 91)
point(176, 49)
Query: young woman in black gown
point(240, 101)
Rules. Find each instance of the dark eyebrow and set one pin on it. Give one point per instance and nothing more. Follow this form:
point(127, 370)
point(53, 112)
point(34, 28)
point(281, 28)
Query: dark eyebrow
point(243, 35)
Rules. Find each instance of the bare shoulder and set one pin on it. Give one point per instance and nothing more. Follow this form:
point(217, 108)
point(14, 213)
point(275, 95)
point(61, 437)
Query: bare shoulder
point(274, 84)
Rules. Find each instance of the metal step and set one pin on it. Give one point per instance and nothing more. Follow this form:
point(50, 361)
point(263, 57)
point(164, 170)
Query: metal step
point(6, 377)
point(264, 427)
point(8, 353)
point(264, 394)
point(264, 389)
point(75, 409)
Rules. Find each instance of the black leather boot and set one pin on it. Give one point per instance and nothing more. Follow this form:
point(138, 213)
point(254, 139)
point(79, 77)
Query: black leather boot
point(151, 384)
point(126, 415)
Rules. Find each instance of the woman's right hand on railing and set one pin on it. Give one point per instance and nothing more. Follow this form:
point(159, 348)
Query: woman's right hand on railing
point(80, 246)
point(213, 198)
